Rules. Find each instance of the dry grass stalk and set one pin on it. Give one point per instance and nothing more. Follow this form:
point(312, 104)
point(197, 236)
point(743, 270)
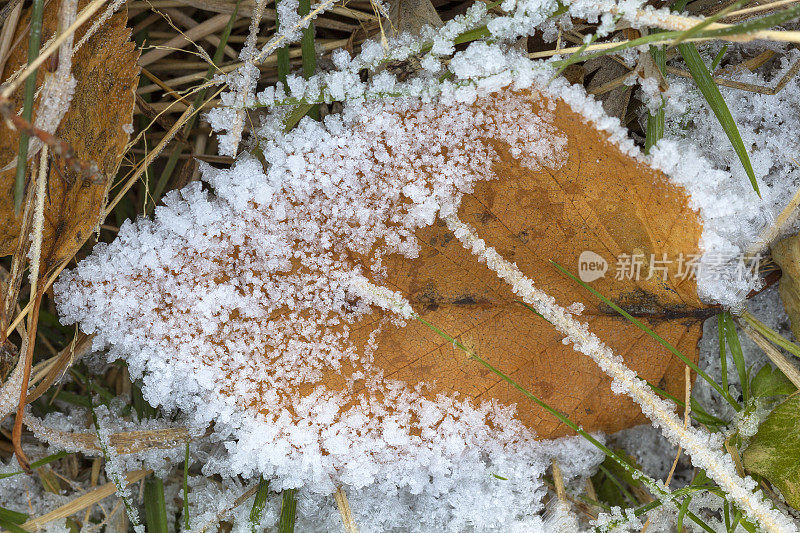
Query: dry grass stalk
point(344, 511)
point(780, 360)
point(786, 217)
point(224, 512)
point(269, 63)
point(125, 442)
point(185, 39)
point(188, 22)
point(11, 389)
point(50, 370)
point(151, 156)
point(7, 33)
point(82, 502)
point(750, 87)
point(33, 319)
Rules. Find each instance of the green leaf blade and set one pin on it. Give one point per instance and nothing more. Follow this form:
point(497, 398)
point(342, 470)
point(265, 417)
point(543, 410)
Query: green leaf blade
point(774, 452)
point(708, 87)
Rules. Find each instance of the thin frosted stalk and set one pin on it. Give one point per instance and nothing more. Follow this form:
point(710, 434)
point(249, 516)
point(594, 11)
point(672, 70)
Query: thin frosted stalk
point(34, 40)
point(698, 443)
point(35, 253)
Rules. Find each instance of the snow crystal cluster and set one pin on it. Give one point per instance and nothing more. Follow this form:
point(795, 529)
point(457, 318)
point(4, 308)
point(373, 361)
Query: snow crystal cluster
point(24, 493)
point(735, 218)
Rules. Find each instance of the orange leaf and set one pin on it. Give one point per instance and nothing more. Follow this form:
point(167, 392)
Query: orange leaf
point(246, 294)
point(602, 201)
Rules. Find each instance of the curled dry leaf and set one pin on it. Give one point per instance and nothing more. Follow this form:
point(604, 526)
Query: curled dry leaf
point(410, 16)
point(102, 106)
point(786, 253)
point(222, 272)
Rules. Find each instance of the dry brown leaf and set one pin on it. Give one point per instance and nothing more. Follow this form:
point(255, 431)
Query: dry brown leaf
point(786, 253)
point(106, 72)
point(410, 16)
point(602, 201)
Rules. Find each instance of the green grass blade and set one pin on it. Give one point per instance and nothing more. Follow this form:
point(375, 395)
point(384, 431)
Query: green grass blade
point(11, 526)
point(115, 477)
point(620, 486)
point(288, 510)
point(309, 52)
point(682, 513)
point(726, 514)
point(750, 26)
point(14, 517)
point(731, 31)
point(639, 511)
point(34, 42)
point(92, 385)
point(723, 355)
point(573, 58)
point(652, 334)
point(70, 397)
point(697, 28)
point(258, 505)
point(155, 509)
point(186, 489)
point(471, 35)
point(718, 58)
point(679, 6)
point(655, 122)
point(708, 87)
point(732, 338)
point(297, 113)
point(41, 462)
